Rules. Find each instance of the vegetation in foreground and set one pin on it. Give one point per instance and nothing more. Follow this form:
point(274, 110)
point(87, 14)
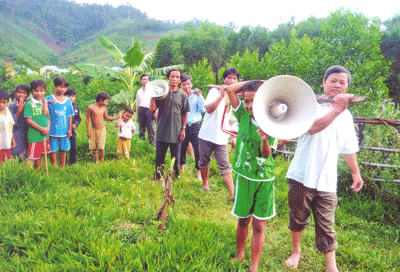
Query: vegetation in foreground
point(101, 217)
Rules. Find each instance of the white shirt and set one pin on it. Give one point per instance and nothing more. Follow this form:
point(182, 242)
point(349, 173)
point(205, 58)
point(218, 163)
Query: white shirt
point(211, 128)
point(143, 97)
point(126, 129)
point(6, 129)
point(316, 157)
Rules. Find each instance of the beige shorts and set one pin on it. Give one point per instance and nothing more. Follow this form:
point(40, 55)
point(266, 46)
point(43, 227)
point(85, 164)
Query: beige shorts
point(97, 138)
point(303, 201)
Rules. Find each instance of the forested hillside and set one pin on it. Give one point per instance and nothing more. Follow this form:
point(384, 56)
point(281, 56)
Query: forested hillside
point(62, 32)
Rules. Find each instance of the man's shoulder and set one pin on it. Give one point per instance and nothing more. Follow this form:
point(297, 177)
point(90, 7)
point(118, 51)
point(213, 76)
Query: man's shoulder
point(182, 93)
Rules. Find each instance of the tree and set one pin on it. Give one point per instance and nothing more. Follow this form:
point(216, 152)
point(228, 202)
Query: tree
point(202, 75)
point(391, 49)
point(135, 62)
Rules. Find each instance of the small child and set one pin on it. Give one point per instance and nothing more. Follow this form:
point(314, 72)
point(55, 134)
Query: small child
point(76, 120)
point(61, 111)
point(125, 133)
point(7, 140)
point(20, 130)
point(254, 167)
point(96, 114)
point(36, 116)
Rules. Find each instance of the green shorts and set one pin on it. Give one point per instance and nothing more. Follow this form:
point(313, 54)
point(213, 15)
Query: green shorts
point(254, 198)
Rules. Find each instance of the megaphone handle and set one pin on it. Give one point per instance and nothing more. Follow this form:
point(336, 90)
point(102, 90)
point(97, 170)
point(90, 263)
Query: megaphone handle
point(229, 132)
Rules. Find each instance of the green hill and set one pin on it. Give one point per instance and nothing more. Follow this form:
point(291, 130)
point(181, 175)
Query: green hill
point(122, 34)
point(60, 32)
point(23, 38)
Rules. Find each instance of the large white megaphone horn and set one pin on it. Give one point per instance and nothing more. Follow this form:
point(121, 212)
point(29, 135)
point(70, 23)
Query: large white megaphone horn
point(285, 107)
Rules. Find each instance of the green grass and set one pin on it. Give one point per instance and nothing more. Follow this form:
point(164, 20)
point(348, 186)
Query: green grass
point(101, 217)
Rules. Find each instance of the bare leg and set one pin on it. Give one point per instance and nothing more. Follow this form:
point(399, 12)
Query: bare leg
point(182, 167)
point(294, 259)
point(229, 183)
point(39, 164)
point(53, 158)
point(204, 176)
point(330, 258)
point(241, 237)
point(257, 243)
point(63, 158)
point(102, 155)
point(95, 155)
point(199, 175)
point(30, 162)
point(190, 150)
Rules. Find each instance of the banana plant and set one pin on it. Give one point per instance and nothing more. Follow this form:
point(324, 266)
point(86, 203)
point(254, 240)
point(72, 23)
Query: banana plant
point(135, 63)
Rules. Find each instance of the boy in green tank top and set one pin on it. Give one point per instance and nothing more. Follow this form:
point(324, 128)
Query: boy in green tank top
point(254, 168)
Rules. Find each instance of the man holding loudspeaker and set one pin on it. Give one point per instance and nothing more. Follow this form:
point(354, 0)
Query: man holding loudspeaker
point(312, 175)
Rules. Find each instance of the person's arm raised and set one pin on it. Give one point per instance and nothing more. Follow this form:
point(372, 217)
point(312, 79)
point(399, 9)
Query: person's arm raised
point(340, 105)
point(233, 91)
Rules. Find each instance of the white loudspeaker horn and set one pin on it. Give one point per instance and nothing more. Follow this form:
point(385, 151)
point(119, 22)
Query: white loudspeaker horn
point(285, 107)
point(160, 89)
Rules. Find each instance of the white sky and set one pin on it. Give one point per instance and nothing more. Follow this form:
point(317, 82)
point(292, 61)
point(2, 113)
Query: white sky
point(253, 12)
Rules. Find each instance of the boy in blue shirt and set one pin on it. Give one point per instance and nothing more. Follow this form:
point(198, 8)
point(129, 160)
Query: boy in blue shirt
point(254, 167)
point(61, 111)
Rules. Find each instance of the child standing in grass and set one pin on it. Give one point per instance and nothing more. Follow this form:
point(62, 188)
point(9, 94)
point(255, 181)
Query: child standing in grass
point(6, 128)
point(61, 111)
point(125, 132)
point(36, 115)
point(76, 120)
point(95, 115)
point(20, 129)
point(254, 167)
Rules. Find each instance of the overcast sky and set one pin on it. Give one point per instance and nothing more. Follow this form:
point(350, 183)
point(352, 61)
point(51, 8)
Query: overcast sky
point(253, 12)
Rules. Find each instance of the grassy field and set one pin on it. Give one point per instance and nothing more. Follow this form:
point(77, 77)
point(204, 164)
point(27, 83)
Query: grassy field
point(101, 217)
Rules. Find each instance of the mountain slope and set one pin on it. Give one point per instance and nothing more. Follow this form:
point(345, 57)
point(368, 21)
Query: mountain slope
point(63, 32)
point(24, 38)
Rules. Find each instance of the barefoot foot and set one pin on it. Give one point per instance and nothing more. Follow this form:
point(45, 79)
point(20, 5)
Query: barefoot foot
point(293, 260)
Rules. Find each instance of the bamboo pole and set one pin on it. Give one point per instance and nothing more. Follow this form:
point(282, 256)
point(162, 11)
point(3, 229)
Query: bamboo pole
point(377, 121)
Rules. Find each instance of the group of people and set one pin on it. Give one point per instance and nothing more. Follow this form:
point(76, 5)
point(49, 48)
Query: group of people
point(32, 127)
point(185, 118)
point(312, 175)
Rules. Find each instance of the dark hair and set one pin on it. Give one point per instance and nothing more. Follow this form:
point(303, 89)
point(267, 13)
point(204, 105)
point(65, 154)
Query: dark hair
point(38, 83)
point(102, 96)
point(185, 77)
point(129, 110)
point(23, 87)
point(231, 70)
point(252, 86)
point(4, 95)
point(12, 95)
point(337, 69)
point(58, 81)
point(172, 70)
point(143, 75)
point(69, 92)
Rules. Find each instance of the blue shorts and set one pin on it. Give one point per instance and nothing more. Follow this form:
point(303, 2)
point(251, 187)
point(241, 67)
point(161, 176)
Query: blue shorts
point(59, 143)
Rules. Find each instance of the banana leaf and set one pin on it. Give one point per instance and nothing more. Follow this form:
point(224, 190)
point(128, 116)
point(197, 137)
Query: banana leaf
point(112, 48)
point(134, 56)
point(98, 71)
point(122, 97)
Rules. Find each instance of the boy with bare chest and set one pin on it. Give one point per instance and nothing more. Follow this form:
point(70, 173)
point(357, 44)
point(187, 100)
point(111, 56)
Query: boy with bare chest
point(96, 114)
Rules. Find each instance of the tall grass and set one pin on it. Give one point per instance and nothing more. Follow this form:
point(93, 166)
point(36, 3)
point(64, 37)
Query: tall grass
point(101, 217)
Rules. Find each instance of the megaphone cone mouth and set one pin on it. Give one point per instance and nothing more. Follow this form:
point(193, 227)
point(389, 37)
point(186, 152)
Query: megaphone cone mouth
point(160, 88)
point(284, 107)
point(277, 110)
